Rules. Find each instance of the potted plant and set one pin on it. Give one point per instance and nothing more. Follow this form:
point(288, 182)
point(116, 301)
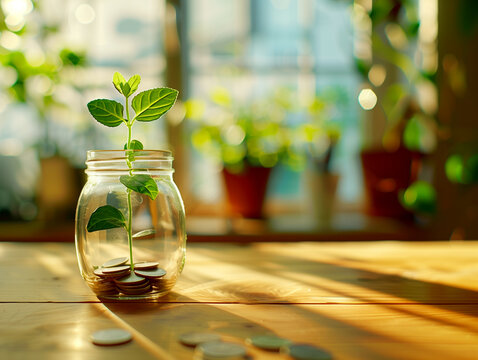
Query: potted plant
point(399, 124)
point(319, 136)
point(250, 138)
point(130, 234)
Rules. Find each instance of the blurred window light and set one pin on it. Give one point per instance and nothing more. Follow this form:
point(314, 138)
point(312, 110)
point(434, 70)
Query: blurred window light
point(85, 14)
point(367, 99)
point(35, 55)
point(15, 22)
point(11, 147)
point(17, 7)
point(8, 76)
point(377, 74)
point(396, 36)
point(10, 41)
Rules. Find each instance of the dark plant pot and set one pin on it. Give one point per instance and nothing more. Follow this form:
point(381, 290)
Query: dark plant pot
point(386, 174)
point(246, 191)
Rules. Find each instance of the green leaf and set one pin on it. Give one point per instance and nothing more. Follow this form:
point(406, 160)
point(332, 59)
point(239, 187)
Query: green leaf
point(134, 145)
point(141, 183)
point(106, 112)
point(105, 217)
point(133, 83)
point(149, 105)
point(118, 82)
point(144, 233)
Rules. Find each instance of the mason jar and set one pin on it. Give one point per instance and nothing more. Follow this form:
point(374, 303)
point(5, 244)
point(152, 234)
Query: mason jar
point(130, 244)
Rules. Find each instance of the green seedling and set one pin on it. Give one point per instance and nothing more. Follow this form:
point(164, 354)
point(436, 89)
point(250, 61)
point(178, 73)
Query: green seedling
point(148, 106)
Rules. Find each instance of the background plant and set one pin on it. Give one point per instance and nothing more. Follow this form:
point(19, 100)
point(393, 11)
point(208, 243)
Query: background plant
point(266, 131)
point(148, 106)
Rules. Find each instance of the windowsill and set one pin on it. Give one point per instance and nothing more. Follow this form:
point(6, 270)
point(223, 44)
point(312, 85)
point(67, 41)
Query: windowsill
point(344, 226)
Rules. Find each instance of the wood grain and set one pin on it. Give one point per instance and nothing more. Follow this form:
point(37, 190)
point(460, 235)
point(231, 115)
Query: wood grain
point(392, 332)
point(308, 273)
point(373, 300)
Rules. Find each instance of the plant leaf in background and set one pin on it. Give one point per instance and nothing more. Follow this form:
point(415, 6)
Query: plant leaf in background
point(149, 105)
point(462, 169)
point(419, 197)
point(134, 145)
point(105, 217)
point(141, 183)
point(106, 112)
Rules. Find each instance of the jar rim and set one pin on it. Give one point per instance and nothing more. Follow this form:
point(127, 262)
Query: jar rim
point(119, 162)
point(115, 154)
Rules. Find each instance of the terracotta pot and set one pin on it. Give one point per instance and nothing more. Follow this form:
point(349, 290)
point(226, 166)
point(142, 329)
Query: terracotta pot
point(385, 175)
point(246, 191)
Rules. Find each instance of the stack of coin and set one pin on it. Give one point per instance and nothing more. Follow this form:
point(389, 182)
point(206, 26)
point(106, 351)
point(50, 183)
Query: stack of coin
point(133, 284)
point(154, 275)
point(115, 275)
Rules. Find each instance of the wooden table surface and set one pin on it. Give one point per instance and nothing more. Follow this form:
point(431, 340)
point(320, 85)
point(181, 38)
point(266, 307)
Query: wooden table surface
point(368, 300)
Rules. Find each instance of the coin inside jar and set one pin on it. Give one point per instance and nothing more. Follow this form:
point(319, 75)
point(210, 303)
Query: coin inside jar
point(115, 269)
point(131, 279)
point(146, 265)
point(153, 273)
point(115, 262)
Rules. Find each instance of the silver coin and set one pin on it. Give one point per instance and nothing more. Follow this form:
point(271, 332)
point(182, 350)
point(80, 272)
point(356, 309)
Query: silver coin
point(136, 291)
point(220, 349)
point(111, 337)
point(146, 265)
point(116, 269)
point(196, 338)
point(115, 262)
point(154, 273)
point(134, 286)
point(132, 278)
point(268, 342)
point(103, 275)
point(307, 352)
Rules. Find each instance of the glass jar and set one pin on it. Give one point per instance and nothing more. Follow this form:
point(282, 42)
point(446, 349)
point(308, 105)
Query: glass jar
point(142, 257)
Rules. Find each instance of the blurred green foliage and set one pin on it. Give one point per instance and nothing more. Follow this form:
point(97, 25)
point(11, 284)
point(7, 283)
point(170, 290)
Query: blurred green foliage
point(420, 197)
point(31, 63)
point(277, 128)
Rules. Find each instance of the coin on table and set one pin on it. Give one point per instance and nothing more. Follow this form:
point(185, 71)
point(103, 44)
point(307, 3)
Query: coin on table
point(196, 338)
point(131, 279)
point(220, 349)
point(111, 337)
point(306, 352)
point(154, 273)
point(146, 265)
point(268, 342)
point(115, 262)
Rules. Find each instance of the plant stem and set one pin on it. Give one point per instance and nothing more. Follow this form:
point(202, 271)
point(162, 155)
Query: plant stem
point(130, 230)
point(130, 207)
point(129, 124)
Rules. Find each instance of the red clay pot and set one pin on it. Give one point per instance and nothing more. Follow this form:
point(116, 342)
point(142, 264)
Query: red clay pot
point(385, 175)
point(246, 191)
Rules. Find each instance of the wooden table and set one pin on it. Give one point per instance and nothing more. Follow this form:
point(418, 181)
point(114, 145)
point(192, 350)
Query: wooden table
point(368, 300)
